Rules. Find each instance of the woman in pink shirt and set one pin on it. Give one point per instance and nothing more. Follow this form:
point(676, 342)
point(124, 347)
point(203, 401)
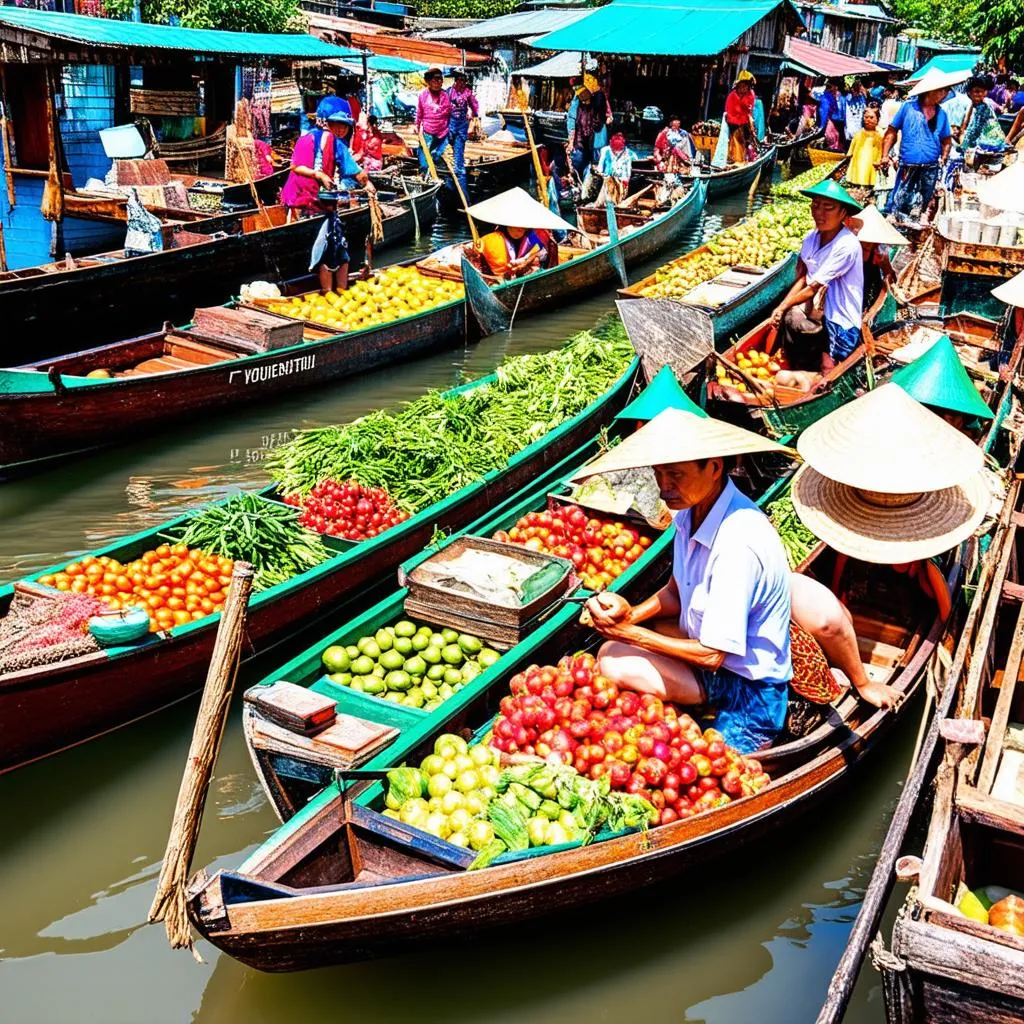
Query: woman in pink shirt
point(433, 113)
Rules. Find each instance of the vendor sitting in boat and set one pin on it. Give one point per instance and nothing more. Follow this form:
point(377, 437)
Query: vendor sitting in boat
point(522, 241)
point(876, 235)
point(674, 150)
point(718, 632)
point(322, 160)
point(820, 318)
point(615, 164)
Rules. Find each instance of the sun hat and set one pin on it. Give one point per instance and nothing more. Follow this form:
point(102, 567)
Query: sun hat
point(432, 71)
point(871, 227)
point(591, 83)
point(935, 79)
point(887, 442)
point(662, 393)
point(515, 208)
point(745, 76)
point(829, 189)
point(327, 106)
point(1011, 292)
point(889, 529)
point(938, 378)
point(1005, 190)
point(677, 436)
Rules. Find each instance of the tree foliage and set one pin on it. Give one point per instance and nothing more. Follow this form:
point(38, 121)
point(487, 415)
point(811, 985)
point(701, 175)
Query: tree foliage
point(939, 20)
point(465, 8)
point(234, 15)
point(998, 28)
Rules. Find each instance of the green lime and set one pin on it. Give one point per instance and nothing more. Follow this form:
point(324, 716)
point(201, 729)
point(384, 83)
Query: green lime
point(436, 672)
point(341, 678)
point(452, 654)
point(425, 630)
point(431, 654)
point(362, 666)
point(369, 647)
point(415, 666)
point(420, 642)
point(374, 685)
point(487, 657)
point(395, 697)
point(405, 628)
point(452, 676)
point(336, 659)
point(357, 684)
point(353, 652)
point(403, 645)
point(384, 639)
point(470, 644)
point(398, 680)
point(378, 671)
point(470, 671)
point(450, 635)
point(445, 691)
point(429, 689)
point(390, 660)
point(437, 640)
point(414, 698)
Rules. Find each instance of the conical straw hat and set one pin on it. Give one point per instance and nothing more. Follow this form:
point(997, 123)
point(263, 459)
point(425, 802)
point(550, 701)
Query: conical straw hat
point(516, 209)
point(885, 441)
point(936, 79)
point(677, 436)
point(662, 393)
point(1005, 190)
point(938, 378)
point(854, 523)
point(1011, 292)
point(870, 226)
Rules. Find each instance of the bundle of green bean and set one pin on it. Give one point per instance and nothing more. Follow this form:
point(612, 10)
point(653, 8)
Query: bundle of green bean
point(798, 541)
point(268, 536)
point(436, 444)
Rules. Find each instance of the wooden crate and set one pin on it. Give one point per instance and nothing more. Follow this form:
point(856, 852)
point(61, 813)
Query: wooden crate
point(266, 331)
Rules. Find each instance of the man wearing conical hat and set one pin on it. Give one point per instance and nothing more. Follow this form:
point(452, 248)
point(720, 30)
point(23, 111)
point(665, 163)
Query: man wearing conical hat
point(718, 632)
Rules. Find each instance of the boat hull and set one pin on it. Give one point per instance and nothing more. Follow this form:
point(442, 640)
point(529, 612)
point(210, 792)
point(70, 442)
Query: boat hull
point(738, 179)
point(44, 710)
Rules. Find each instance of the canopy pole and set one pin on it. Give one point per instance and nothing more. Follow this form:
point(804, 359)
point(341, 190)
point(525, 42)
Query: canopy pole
point(367, 86)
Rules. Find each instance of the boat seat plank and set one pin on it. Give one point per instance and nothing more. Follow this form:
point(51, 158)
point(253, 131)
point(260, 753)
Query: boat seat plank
point(183, 347)
point(160, 365)
point(974, 805)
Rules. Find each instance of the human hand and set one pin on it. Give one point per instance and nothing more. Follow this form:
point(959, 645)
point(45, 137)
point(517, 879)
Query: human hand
point(325, 180)
point(881, 695)
point(776, 318)
point(608, 610)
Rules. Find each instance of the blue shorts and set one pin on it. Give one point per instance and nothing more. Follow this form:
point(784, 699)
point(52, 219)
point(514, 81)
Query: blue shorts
point(841, 341)
point(748, 713)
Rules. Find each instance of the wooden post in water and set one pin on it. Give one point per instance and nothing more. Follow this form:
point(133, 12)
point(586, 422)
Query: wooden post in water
point(169, 903)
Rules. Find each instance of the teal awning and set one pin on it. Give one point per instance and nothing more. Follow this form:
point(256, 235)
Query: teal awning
point(663, 28)
point(948, 63)
point(383, 64)
point(106, 33)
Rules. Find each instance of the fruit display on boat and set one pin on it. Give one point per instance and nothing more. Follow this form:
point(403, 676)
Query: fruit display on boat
point(600, 549)
point(174, 583)
point(347, 510)
point(409, 663)
point(643, 745)
point(994, 905)
point(387, 295)
point(768, 236)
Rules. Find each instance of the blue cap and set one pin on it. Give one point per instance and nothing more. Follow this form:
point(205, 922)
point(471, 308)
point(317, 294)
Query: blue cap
point(334, 108)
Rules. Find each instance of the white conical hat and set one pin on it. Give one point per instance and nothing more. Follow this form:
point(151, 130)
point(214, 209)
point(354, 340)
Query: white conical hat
point(1011, 292)
point(936, 79)
point(885, 441)
point(859, 525)
point(517, 209)
point(678, 436)
point(870, 226)
point(1005, 190)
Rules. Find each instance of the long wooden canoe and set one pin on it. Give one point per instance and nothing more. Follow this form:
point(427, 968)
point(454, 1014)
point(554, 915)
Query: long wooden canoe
point(51, 707)
point(328, 887)
point(787, 148)
point(738, 178)
point(50, 408)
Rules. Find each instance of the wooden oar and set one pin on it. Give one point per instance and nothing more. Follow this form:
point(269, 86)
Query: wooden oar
point(869, 353)
point(170, 902)
point(542, 182)
point(428, 157)
point(449, 160)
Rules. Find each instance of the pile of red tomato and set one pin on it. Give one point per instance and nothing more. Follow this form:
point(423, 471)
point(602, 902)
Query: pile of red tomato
point(600, 549)
point(642, 744)
point(174, 584)
point(347, 510)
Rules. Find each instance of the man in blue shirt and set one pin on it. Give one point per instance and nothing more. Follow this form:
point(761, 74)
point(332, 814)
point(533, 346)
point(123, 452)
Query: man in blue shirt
point(923, 129)
point(833, 109)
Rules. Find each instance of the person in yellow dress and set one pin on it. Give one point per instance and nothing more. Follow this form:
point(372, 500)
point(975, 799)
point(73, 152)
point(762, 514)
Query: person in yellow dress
point(865, 151)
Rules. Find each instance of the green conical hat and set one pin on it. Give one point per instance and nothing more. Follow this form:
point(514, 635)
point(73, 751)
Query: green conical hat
point(938, 378)
point(662, 393)
point(830, 189)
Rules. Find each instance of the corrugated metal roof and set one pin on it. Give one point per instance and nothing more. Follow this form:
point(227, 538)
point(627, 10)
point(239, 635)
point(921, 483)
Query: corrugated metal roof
point(514, 26)
point(562, 65)
point(104, 32)
point(816, 60)
point(667, 28)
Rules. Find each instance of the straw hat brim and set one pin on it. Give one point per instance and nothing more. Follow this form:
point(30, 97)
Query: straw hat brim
point(677, 436)
point(874, 228)
point(938, 80)
point(1011, 292)
point(1005, 190)
point(847, 522)
point(514, 208)
point(886, 441)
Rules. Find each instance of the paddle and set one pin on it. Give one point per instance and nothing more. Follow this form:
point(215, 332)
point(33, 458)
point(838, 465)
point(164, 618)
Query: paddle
point(490, 314)
point(614, 251)
point(542, 184)
point(666, 333)
point(450, 164)
point(428, 157)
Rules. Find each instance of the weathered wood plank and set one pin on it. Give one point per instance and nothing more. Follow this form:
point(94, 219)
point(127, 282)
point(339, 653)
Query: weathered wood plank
point(1001, 715)
point(976, 805)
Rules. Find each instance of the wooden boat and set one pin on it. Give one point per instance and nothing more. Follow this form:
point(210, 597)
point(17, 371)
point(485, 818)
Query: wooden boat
point(945, 967)
point(738, 178)
point(334, 884)
point(735, 297)
point(786, 410)
point(788, 147)
point(48, 708)
point(50, 408)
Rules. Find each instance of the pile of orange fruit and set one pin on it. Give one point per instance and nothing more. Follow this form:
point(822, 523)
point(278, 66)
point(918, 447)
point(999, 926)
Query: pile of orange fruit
point(173, 583)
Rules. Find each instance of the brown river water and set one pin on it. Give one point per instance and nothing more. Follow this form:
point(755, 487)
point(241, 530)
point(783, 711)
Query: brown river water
point(753, 937)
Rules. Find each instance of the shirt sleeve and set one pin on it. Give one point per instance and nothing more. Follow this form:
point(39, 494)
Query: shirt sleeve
point(419, 111)
point(302, 154)
point(729, 599)
point(840, 260)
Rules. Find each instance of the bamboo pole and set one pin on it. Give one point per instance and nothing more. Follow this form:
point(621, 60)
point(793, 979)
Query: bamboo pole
point(428, 157)
point(449, 160)
point(5, 139)
point(170, 901)
point(542, 182)
point(52, 207)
